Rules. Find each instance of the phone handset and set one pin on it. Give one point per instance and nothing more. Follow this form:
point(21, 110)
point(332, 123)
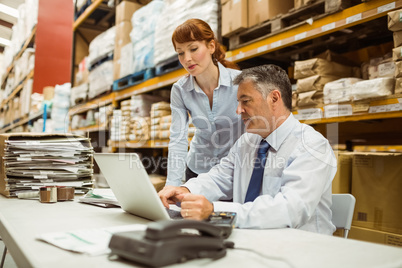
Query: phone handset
point(171, 228)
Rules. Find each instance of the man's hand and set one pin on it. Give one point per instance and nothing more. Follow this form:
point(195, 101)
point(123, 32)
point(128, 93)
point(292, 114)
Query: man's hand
point(195, 207)
point(172, 194)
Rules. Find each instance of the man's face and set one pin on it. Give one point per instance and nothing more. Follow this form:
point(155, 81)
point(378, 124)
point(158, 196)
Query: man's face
point(256, 112)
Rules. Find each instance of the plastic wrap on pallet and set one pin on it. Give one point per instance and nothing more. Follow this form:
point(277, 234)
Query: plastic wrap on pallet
point(100, 79)
point(79, 94)
point(169, 19)
point(142, 35)
point(61, 105)
point(25, 96)
point(143, 54)
point(102, 45)
point(144, 20)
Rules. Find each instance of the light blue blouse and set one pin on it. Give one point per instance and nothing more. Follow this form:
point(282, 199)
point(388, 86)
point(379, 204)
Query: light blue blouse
point(217, 128)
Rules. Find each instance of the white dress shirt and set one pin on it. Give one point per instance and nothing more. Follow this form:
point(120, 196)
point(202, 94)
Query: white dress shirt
point(217, 128)
point(297, 183)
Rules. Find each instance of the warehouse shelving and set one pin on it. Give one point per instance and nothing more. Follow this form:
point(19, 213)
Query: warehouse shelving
point(51, 58)
point(338, 21)
point(22, 121)
point(27, 42)
point(355, 15)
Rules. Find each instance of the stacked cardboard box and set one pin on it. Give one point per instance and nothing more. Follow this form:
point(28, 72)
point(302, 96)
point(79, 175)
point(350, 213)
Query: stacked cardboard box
point(122, 65)
point(376, 184)
point(238, 15)
point(160, 110)
point(313, 74)
point(343, 178)
point(395, 25)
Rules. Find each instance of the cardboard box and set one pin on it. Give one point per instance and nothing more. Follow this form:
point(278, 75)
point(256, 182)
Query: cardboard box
point(370, 235)
point(398, 85)
point(397, 53)
point(48, 93)
point(394, 20)
point(342, 181)
point(315, 82)
point(319, 66)
point(123, 66)
point(234, 17)
point(260, 11)
point(125, 10)
point(398, 69)
point(298, 4)
point(311, 98)
point(122, 37)
point(397, 36)
point(377, 184)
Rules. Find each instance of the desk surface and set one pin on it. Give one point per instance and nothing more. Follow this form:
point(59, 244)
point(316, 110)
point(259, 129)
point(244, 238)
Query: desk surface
point(22, 220)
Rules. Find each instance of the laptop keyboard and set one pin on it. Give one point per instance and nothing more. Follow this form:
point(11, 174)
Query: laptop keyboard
point(174, 214)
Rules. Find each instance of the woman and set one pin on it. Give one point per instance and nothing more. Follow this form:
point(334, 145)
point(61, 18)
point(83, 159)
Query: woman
point(208, 96)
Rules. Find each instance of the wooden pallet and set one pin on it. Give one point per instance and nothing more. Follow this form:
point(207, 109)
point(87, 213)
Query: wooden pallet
point(284, 22)
point(169, 65)
point(133, 79)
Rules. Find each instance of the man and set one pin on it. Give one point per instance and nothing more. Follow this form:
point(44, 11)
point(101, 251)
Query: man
point(296, 167)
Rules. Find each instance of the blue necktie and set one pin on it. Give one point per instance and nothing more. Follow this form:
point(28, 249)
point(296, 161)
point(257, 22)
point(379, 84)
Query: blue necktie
point(256, 178)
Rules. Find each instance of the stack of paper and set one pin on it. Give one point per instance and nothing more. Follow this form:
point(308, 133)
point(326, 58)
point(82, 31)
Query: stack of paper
point(100, 197)
point(31, 161)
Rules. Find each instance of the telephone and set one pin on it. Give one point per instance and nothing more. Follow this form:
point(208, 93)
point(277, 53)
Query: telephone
point(167, 242)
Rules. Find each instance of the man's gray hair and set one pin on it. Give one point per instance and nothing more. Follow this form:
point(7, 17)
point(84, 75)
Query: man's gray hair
point(267, 78)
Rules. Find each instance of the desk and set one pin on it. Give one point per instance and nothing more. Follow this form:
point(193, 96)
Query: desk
point(22, 220)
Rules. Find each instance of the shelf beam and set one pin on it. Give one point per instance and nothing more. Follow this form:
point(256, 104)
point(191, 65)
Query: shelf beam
point(95, 4)
point(18, 88)
point(337, 21)
point(351, 118)
point(24, 46)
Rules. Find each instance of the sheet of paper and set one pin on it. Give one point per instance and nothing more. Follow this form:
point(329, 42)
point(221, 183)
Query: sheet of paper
point(93, 242)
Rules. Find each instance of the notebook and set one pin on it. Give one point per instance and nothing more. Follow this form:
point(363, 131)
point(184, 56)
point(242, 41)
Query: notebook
point(131, 185)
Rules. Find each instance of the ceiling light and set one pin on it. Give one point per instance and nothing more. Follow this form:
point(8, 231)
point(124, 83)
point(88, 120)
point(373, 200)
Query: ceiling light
point(9, 10)
point(4, 41)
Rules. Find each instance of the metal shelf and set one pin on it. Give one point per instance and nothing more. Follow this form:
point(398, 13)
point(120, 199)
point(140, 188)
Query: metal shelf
point(24, 46)
point(18, 88)
point(349, 17)
point(335, 22)
point(95, 4)
point(22, 121)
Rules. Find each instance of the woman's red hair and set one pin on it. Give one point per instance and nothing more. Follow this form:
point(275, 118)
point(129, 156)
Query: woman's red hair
point(199, 30)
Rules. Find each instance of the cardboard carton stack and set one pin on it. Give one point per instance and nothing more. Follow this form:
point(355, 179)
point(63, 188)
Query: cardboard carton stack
point(124, 12)
point(395, 25)
point(160, 128)
point(238, 15)
point(342, 182)
point(79, 93)
point(313, 74)
point(376, 185)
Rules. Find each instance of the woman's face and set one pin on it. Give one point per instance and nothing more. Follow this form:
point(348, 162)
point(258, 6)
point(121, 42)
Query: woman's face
point(195, 56)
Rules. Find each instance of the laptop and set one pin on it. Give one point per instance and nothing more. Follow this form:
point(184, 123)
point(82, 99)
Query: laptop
point(131, 185)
